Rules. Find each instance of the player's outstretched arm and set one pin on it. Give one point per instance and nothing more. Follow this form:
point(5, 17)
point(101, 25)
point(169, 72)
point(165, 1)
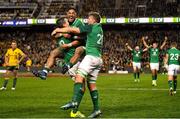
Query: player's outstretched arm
point(144, 42)
point(129, 47)
point(72, 44)
point(164, 43)
point(22, 57)
point(66, 30)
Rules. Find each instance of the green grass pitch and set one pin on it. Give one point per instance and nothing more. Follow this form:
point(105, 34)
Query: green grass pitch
point(120, 97)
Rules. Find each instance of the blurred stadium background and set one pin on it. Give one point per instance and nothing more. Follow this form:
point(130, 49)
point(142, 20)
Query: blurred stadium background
point(30, 22)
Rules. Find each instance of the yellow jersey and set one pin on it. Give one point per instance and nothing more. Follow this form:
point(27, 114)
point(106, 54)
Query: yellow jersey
point(14, 56)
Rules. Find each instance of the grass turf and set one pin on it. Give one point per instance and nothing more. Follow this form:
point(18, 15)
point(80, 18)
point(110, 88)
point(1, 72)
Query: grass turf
point(120, 97)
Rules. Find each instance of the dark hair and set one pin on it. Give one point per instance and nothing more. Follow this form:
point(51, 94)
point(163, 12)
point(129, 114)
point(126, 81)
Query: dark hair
point(60, 22)
point(154, 41)
point(96, 16)
point(72, 8)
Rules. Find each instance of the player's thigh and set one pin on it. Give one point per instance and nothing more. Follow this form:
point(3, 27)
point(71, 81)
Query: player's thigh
point(89, 63)
point(56, 52)
point(79, 50)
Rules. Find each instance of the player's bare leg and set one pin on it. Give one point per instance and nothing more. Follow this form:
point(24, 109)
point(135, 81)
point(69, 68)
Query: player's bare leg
point(78, 53)
point(6, 79)
point(51, 58)
point(50, 62)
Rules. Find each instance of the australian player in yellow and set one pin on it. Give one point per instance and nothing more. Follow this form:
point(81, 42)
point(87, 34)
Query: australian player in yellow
point(171, 62)
point(13, 57)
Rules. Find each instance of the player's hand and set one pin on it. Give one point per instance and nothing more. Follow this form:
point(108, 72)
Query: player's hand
point(166, 38)
point(126, 44)
point(54, 32)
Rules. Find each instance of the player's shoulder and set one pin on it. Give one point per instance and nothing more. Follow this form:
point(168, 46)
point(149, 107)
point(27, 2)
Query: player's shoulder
point(18, 50)
point(78, 23)
point(9, 49)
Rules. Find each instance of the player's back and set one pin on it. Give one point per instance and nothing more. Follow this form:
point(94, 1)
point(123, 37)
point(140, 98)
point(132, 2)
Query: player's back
point(95, 40)
point(173, 56)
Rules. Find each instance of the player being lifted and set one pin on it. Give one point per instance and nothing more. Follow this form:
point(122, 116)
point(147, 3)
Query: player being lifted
point(137, 55)
point(172, 62)
point(90, 65)
point(154, 57)
point(13, 58)
point(65, 44)
point(65, 50)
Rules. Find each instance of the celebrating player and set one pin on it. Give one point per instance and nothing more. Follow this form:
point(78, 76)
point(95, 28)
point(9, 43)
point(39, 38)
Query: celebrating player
point(137, 54)
point(13, 57)
point(171, 62)
point(65, 49)
point(90, 65)
point(74, 22)
point(154, 58)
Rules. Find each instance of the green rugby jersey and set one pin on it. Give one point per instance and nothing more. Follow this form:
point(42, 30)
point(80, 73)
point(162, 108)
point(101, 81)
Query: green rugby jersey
point(68, 53)
point(173, 54)
point(94, 39)
point(78, 23)
point(154, 55)
point(137, 55)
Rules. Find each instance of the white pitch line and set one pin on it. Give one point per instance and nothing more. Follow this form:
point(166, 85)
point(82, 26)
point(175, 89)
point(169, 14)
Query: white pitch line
point(137, 89)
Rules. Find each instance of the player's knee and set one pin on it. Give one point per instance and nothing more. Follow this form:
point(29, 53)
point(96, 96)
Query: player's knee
point(92, 86)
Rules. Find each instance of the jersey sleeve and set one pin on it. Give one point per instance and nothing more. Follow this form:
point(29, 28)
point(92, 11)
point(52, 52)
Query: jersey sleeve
point(20, 52)
point(85, 29)
point(80, 24)
point(132, 51)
